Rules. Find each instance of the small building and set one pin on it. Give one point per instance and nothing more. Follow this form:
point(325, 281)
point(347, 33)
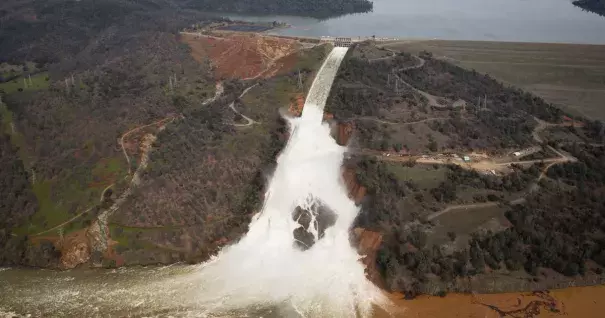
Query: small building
point(516, 153)
point(343, 42)
point(466, 159)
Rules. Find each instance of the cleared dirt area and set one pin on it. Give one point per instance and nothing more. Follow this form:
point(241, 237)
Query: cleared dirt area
point(243, 56)
point(569, 75)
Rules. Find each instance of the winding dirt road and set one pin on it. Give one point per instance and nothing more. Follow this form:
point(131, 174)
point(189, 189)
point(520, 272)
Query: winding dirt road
point(219, 91)
point(249, 120)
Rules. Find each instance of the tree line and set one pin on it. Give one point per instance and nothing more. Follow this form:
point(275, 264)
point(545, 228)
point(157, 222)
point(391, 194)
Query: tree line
point(596, 6)
point(313, 8)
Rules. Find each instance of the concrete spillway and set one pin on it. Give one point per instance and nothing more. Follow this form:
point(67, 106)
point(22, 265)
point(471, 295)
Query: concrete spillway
point(291, 263)
point(320, 89)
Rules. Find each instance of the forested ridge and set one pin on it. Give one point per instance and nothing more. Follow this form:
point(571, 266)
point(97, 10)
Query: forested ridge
point(596, 6)
point(514, 231)
point(76, 77)
point(312, 8)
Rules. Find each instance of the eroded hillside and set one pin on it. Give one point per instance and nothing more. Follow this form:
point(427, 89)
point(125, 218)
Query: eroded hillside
point(243, 56)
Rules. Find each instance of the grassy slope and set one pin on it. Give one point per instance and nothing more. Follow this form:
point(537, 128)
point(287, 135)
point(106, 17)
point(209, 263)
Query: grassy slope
point(571, 76)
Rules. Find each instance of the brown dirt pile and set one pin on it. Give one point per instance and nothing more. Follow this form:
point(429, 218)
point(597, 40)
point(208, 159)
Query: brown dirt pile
point(241, 56)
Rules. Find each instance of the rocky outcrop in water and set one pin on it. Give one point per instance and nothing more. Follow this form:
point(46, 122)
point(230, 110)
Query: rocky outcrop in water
point(317, 219)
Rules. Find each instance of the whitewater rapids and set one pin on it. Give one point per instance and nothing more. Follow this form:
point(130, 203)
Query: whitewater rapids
point(265, 273)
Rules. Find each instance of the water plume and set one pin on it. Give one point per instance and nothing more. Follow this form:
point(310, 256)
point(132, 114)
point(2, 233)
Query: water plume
point(322, 276)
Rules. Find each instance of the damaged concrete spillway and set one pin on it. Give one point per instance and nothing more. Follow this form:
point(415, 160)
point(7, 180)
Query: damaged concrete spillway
point(295, 261)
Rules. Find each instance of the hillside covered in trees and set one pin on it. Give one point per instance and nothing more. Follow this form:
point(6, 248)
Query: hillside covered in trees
point(91, 88)
point(310, 8)
point(448, 228)
point(596, 6)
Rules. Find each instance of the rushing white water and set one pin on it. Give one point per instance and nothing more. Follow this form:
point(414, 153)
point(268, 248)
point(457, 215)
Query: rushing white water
point(266, 273)
point(265, 266)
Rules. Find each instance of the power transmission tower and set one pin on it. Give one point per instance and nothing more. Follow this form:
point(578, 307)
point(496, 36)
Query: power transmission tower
point(61, 235)
point(73, 82)
point(170, 83)
point(485, 105)
point(300, 84)
point(30, 81)
point(24, 83)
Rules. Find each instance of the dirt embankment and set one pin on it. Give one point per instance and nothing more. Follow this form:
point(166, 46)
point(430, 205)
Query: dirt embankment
point(243, 56)
point(367, 242)
point(342, 131)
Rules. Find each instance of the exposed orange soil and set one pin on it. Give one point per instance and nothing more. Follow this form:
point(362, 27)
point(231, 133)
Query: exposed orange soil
point(296, 107)
point(368, 243)
point(74, 247)
point(243, 56)
point(356, 191)
point(574, 302)
point(344, 132)
point(133, 139)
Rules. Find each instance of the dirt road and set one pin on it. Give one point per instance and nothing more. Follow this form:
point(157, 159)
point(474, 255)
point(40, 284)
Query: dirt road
point(232, 106)
point(460, 207)
point(401, 124)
